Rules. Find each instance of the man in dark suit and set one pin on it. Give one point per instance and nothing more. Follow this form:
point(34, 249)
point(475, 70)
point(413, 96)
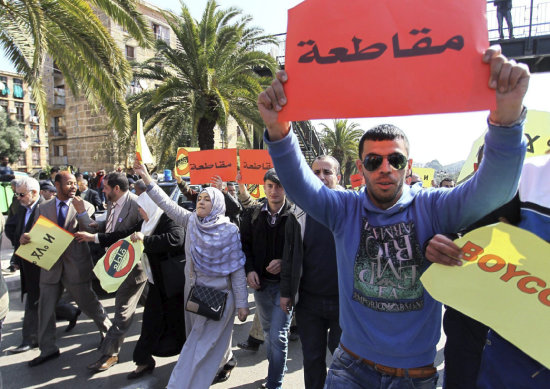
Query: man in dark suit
point(90, 195)
point(27, 193)
point(122, 214)
point(73, 269)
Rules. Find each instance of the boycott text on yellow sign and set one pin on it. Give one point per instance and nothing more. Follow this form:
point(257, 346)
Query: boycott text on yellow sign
point(48, 242)
point(117, 263)
point(504, 283)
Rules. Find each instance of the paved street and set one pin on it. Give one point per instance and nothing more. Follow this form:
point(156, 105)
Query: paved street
point(78, 349)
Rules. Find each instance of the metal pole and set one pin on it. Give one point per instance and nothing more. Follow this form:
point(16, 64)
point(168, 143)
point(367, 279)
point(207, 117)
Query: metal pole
point(531, 19)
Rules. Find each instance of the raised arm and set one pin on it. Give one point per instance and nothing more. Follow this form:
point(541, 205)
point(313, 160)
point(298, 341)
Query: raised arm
point(496, 181)
point(171, 208)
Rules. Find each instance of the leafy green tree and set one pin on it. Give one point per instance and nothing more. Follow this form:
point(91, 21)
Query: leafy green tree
point(341, 141)
point(208, 77)
point(10, 137)
point(71, 33)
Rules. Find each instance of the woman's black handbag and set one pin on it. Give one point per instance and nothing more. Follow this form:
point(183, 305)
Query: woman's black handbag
point(205, 301)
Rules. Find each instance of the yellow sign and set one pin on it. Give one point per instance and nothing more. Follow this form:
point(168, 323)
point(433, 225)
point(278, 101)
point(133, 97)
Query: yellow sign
point(182, 160)
point(504, 283)
point(426, 174)
point(48, 242)
point(537, 133)
point(117, 263)
point(143, 153)
point(256, 191)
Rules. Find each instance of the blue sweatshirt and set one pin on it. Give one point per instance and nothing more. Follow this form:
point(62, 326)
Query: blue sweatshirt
point(385, 314)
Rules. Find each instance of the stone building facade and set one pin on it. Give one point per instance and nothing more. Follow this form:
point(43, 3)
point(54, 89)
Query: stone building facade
point(80, 136)
point(16, 99)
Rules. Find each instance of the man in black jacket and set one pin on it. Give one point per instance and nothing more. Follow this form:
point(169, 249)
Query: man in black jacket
point(309, 281)
point(263, 238)
point(90, 195)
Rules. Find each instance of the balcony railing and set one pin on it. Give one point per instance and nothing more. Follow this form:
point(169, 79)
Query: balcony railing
point(525, 23)
point(59, 161)
point(57, 132)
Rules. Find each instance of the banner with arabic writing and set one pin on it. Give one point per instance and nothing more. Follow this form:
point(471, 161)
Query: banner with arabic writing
point(206, 164)
point(385, 58)
point(113, 268)
point(254, 164)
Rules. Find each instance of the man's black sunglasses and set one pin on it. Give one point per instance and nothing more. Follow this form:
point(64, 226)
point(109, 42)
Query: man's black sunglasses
point(373, 161)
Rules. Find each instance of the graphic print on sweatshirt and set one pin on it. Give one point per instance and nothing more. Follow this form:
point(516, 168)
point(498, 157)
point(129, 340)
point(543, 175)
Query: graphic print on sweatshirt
point(387, 268)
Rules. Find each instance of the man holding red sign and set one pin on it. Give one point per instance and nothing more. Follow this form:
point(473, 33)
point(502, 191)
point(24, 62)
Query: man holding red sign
point(390, 324)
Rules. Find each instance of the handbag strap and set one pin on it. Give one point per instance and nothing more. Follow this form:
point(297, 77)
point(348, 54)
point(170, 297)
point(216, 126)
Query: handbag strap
point(227, 278)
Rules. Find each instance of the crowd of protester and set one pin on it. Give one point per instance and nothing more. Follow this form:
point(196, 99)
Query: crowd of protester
point(305, 250)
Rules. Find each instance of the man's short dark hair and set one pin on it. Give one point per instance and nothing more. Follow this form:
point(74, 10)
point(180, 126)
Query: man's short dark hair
point(54, 169)
point(117, 178)
point(272, 175)
point(383, 132)
point(449, 179)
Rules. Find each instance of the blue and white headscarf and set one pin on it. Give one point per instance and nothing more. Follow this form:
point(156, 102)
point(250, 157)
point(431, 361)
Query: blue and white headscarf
point(215, 241)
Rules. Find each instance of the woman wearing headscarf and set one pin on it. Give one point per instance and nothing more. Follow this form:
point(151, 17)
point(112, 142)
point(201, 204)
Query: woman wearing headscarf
point(163, 317)
point(214, 259)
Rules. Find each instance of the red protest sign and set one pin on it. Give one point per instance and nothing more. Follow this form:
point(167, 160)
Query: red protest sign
point(356, 180)
point(208, 163)
point(254, 164)
point(385, 58)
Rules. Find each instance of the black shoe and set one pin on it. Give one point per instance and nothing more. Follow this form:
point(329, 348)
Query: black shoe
point(11, 268)
point(72, 322)
point(138, 374)
point(22, 348)
point(224, 374)
point(249, 346)
point(41, 359)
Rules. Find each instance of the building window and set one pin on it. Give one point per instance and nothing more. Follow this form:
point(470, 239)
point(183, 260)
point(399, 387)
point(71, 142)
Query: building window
point(161, 32)
point(56, 130)
point(34, 114)
point(22, 160)
point(4, 104)
point(59, 95)
point(36, 156)
point(19, 114)
point(35, 133)
point(130, 53)
point(18, 88)
point(4, 90)
point(59, 151)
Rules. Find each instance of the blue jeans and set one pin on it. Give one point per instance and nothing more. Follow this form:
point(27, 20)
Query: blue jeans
point(275, 324)
point(346, 372)
point(504, 366)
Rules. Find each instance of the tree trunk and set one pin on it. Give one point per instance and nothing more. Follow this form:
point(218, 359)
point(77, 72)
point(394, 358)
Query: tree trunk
point(205, 132)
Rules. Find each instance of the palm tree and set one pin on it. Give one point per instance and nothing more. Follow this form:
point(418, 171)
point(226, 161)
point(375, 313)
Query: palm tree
point(341, 142)
point(73, 36)
point(208, 77)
